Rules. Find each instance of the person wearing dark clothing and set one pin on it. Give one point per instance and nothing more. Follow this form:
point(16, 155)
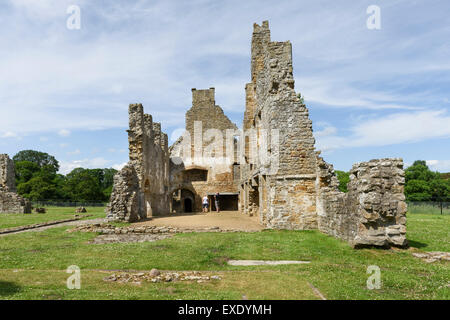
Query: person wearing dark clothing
point(217, 202)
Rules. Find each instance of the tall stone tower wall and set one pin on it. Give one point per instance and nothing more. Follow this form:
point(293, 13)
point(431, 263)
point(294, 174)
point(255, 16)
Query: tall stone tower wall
point(205, 164)
point(294, 188)
point(284, 197)
point(10, 201)
point(141, 188)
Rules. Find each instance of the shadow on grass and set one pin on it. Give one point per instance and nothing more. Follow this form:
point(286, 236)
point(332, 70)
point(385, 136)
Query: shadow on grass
point(417, 244)
point(8, 288)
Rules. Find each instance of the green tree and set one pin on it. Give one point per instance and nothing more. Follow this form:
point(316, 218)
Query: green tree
point(83, 185)
point(38, 188)
point(418, 190)
point(40, 158)
point(344, 178)
point(36, 174)
point(422, 184)
point(25, 171)
point(440, 190)
point(420, 171)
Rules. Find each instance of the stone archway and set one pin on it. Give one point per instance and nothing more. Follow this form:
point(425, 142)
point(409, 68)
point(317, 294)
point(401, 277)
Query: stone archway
point(183, 200)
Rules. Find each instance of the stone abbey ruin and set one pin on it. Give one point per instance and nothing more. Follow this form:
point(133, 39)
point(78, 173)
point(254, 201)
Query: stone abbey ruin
point(10, 201)
point(270, 169)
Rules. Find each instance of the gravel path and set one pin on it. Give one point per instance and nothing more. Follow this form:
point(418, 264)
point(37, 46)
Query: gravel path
point(234, 220)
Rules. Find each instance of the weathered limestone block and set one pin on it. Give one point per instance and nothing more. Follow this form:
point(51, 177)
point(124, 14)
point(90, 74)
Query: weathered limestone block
point(10, 201)
point(125, 196)
point(378, 186)
point(372, 213)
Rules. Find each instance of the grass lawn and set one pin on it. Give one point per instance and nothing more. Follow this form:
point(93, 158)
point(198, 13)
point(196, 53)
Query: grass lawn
point(9, 220)
point(33, 264)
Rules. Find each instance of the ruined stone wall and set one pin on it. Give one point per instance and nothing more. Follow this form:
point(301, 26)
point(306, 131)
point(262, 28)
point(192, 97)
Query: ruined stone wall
point(287, 196)
point(141, 188)
point(10, 201)
point(372, 213)
point(294, 188)
point(207, 127)
point(126, 196)
point(7, 173)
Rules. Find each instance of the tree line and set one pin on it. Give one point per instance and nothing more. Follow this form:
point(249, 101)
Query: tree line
point(421, 184)
point(37, 178)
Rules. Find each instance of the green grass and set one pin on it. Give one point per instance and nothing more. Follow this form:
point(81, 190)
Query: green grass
point(9, 220)
point(429, 232)
point(32, 265)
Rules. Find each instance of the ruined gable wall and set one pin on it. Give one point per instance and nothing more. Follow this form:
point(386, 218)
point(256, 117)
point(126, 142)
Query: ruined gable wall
point(10, 201)
point(202, 116)
point(288, 197)
point(141, 188)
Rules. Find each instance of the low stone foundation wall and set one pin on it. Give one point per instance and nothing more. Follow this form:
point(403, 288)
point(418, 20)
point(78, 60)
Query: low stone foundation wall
point(11, 202)
point(372, 213)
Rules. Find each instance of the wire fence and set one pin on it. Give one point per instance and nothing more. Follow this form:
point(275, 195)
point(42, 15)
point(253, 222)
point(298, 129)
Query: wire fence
point(428, 207)
point(62, 203)
point(423, 207)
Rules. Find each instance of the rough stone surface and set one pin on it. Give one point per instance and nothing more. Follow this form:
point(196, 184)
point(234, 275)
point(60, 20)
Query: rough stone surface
point(138, 277)
point(264, 262)
point(293, 187)
point(433, 256)
point(127, 238)
point(372, 213)
point(141, 188)
point(10, 201)
point(271, 171)
point(105, 228)
point(40, 210)
point(204, 168)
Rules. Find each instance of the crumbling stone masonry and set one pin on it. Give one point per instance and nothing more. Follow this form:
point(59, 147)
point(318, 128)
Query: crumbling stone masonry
point(200, 164)
point(273, 171)
point(141, 188)
point(301, 190)
point(10, 201)
point(372, 212)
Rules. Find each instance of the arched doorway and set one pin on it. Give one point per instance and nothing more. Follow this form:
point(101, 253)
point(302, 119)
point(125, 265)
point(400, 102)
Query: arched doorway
point(187, 205)
point(183, 200)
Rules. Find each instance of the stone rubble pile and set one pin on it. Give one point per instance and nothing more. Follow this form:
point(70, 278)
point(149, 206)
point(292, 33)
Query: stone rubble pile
point(105, 228)
point(156, 276)
point(433, 256)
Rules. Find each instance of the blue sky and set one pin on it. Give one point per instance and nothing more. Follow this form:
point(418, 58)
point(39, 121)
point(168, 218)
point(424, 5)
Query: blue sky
point(371, 93)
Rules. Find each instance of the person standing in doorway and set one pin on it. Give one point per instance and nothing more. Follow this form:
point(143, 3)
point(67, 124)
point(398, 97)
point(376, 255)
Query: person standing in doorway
point(205, 203)
point(217, 202)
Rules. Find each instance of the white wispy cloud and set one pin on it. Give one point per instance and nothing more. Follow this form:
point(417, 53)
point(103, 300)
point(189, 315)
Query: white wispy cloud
point(393, 129)
point(64, 133)
point(439, 165)
point(99, 162)
point(59, 81)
